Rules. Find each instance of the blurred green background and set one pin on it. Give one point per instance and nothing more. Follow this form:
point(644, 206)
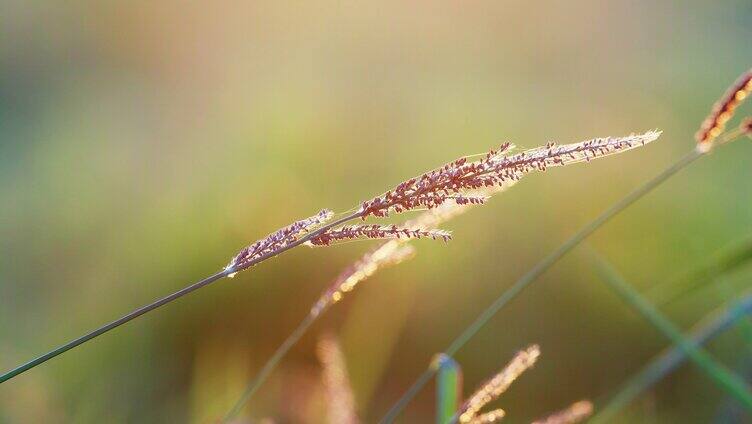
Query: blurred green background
point(143, 143)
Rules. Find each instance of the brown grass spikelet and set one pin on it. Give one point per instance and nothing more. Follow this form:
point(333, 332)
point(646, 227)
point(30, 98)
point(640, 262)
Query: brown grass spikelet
point(358, 232)
point(338, 393)
point(278, 239)
point(434, 217)
point(723, 111)
point(498, 384)
point(432, 188)
point(451, 182)
point(575, 413)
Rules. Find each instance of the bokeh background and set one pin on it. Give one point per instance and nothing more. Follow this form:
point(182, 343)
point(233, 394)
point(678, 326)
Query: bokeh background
point(143, 143)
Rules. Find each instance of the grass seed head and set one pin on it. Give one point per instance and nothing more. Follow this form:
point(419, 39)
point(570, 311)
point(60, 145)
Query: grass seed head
point(723, 111)
point(498, 384)
point(453, 181)
point(277, 239)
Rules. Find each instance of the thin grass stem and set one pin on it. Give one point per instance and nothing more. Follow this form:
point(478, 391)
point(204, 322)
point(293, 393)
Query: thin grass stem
point(448, 389)
point(105, 328)
point(744, 325)
point(163, 301)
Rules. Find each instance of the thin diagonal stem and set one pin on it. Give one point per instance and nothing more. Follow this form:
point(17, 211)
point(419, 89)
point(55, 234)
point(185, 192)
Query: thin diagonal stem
point(540, 268)
point(105, 328)
point(413, 391)
point(165, 300)
point(254, 385)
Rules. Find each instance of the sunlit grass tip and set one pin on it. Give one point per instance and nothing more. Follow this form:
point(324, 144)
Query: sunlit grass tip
point(498, 384)
point(723, 111)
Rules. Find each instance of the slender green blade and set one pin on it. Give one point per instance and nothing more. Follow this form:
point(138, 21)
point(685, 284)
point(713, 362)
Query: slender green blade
point(673, 357)
point(448, 388)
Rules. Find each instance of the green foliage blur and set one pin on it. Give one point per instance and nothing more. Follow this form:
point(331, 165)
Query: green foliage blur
point(143, 143)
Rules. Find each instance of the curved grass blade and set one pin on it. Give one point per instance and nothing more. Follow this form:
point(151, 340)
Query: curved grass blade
point(448, 388)
point(718, 373)
point(671, 358)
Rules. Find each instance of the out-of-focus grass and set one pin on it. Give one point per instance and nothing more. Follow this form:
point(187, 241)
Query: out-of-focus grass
point(723, 377)
point(659, 367)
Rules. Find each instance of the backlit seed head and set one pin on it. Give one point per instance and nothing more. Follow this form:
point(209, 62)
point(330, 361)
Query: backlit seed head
point(723, 111)
point(453, 181)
